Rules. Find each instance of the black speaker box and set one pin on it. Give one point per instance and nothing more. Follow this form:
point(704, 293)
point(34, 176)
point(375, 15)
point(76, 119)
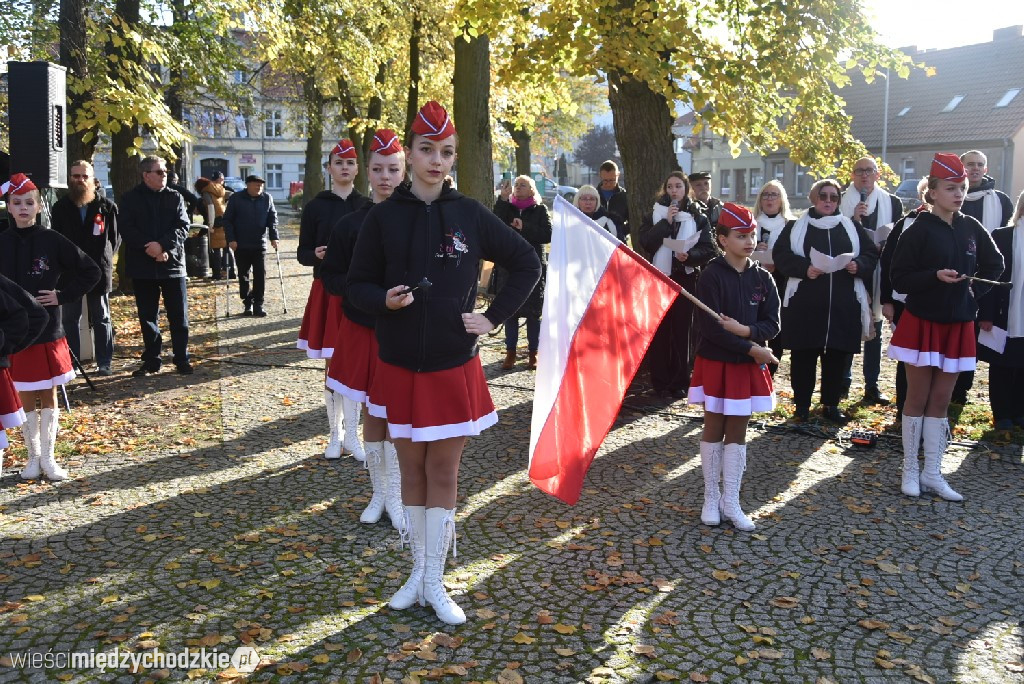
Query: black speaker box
point(37, 107)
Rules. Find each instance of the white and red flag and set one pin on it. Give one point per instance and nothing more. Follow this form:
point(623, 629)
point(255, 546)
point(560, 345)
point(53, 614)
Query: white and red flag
point(602, 305)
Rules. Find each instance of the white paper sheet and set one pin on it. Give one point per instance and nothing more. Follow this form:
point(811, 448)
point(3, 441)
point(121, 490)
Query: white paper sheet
point(830, 264)
point(993, 339)
point(684, 245)
point(881, 234)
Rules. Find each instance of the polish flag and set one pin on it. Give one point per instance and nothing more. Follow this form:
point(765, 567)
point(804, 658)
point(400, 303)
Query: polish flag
point(602, 305)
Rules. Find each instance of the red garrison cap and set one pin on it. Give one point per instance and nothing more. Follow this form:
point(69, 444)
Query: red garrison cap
point(385, 141)
point(433, 122)
point(736, 217)
point(947, 166)
point(345, 149)
point(19, 184)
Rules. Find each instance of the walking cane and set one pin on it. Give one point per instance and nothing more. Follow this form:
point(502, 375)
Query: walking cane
point(227, 281)
point(280, 276)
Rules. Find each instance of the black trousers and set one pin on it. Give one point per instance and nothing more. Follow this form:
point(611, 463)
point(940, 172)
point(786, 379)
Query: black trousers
point(247, 258)
point(1004, 391)
point(668, 357)
point(147, 301)
point(803, 365)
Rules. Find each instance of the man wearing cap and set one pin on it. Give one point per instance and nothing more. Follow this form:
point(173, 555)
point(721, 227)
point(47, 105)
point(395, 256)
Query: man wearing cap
point(700, 188)
point(249, 216)
point(613, 197)
point(871, 208)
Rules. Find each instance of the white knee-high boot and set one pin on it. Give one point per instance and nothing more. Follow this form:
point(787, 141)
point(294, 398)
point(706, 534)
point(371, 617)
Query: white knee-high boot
point(48, 419)
point(936, 439)
point(351, 443)
point(911, 430)
point(393, 488)
point(711, 466)
point(378, 481)
point(440, 533)
point(333, 404)
point(415, 529)
point(30, 431)
point(734, 462)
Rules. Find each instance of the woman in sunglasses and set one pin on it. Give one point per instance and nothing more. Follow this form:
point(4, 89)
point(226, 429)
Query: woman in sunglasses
point(825, 308)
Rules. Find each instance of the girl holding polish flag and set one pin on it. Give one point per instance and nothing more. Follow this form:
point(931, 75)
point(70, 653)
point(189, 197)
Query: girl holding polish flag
point(415, 269)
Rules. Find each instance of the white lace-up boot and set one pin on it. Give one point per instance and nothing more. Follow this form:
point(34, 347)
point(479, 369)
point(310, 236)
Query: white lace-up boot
point(711, 465)
point(333, 403)
point(351, 443)
point(30, 431)
point(378, 482)
point(393, 486)
point(440, 529)
point(936, 440)
point(48, 419)
point(414, 530)
point(911, 430)
point(734, 462)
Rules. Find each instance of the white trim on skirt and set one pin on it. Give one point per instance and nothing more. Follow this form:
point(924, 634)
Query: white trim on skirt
point(346, 391)
point(45, 384)
point(919, 358)
point(14, 419)
point(432, 433)
point(314, 353)
point(731, 407)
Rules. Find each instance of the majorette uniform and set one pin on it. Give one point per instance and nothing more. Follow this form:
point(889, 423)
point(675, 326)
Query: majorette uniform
point(323, 314)
point(22, 320)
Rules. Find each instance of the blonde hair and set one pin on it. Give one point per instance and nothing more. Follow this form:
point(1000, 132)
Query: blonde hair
point(783, 198)
point(586, 191)
point(533, 185)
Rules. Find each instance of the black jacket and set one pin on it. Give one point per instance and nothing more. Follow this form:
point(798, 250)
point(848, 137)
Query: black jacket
point(22, 319)
point(617, 205)
point(994, 306)
point(193, 204)
point(975, 208)
point(651, 236)
point(334, 269)
point(870, 222)
point(711, 209)
point(151, 216)
point(749, 297)
point(885, 258)
point(824, 311)
point(318, 219)
point(931, 244)
point(38, 258)
point(537, 231)
point(248, 219)
point(404, 240)
point(67, 220)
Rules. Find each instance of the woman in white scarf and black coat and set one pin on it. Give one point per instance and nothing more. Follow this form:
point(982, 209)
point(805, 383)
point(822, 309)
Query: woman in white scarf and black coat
point(675, 216)
point(772, 213)
point(824, 315)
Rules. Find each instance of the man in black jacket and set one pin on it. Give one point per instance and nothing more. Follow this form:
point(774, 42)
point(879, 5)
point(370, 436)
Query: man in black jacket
point(700, 188)
point(249, 216)
point(613, 197)
point(154, 224)
point(91, 223)
point(193, 205)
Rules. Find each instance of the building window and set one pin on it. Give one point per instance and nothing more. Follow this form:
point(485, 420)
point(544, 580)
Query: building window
point(1008, 97)
point(957, 99)
point(302, 173)
point(803, 182)
point(756, 181)
point(724, 187)
point(903, 112)
point(275, 176)
point(908, 170)
point(273, 127)
point(778, 170)
point(238, 76)
point(241, 126)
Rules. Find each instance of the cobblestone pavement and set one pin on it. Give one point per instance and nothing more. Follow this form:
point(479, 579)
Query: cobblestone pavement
point(256, 540)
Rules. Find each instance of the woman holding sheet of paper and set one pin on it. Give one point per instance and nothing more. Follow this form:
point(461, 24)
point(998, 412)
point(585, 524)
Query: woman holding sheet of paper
point(827, 261)
point(678, 238)
point(1001, 315)
point(773, 213)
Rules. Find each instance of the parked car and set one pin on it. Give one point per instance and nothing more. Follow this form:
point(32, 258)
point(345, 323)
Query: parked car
point(907, 192)
point(234, 183)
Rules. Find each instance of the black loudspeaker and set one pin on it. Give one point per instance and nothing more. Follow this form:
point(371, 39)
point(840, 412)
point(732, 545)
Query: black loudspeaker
point(36, 108)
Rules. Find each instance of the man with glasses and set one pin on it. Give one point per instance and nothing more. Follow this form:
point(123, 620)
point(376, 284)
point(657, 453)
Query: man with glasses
point(154, 225)
point(871, 208)
point(90, 221)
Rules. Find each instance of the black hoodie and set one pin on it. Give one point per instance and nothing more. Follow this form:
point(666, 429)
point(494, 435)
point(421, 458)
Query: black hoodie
point(334, 268)
point(749, 296)
point(404, 240)
point(22, 320)
point(318, 218)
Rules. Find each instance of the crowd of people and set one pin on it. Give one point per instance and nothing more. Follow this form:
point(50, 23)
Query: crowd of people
point(391, 307)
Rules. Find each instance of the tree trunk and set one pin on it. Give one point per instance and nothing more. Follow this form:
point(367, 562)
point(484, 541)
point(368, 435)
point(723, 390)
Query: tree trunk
point(363, 139)
point(72, 55)
point(124, 168)
point(313, 180)
point(472, 86)
point(643, 131)
point(524, 157)
point(412, 105)
point(173, 98)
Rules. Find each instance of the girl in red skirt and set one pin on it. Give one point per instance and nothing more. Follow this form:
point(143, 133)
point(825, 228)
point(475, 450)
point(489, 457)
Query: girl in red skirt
point(36, 258)
point(730, 374)
point(428, 378)
point(323, 310)
point(932, 264)
point(352, 369)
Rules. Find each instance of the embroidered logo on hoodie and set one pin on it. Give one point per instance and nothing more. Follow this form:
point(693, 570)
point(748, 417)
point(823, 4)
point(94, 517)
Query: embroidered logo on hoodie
point(453, 246)
point(40, 265)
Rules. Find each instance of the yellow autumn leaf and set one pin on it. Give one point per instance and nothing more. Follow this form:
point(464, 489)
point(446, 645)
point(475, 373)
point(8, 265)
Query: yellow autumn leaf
point(723, 575)
point(111, 598)
point(565, 629)
point(35, 597)
point(565, 652)
point(209, 584)
point(522, 638)
point(322, 659)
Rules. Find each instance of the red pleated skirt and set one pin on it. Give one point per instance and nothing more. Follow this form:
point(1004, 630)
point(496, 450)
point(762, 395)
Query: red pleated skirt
point(314, 335)
point(426, 407)
point(950, 347)
point(12, 414)
point(732, 389)
point(42, 366)
point(352, 369)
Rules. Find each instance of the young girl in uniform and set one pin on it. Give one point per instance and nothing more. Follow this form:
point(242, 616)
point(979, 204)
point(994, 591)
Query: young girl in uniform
point(352, 369)
point(428, 376)
point(933, 260)
point(730, 373)
point(36, 258)
point(323, 310)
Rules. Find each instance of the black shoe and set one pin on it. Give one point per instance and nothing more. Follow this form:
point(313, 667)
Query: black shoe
point(248, 309)
point(258, 311)
point(184, 368)
point(960, 399)
point(678, 393)
point(873, 395)
point(146, 369)
point(1003, 424)
point(832, 413)
point(802, 414)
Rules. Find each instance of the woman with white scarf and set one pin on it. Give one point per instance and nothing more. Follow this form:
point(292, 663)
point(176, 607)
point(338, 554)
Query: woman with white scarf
point(675, 216)
point(1004, 308)
point(824, 315)
point(772, 214)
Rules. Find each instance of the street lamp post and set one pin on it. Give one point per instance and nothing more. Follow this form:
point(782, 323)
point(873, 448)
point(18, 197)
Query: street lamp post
point(885, 116)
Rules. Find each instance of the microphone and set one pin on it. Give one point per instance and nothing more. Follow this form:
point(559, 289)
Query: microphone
point(863, 195)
